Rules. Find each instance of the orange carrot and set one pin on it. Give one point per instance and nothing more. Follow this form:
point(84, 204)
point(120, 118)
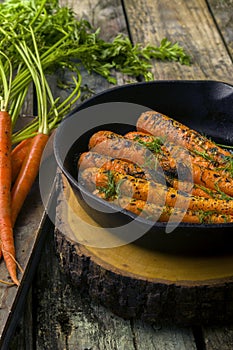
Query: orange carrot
point(156, 123)
point(194, 189)
point(150, 191)
point(210, 155)
point(6, 230)
point(163, 213)
point(114, 145)
point(17, 156)
point(168, 150)
point(27, 174)
point(160, 213)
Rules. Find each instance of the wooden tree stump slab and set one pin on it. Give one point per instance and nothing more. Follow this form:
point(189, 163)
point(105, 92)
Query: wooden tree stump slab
point(137, 281)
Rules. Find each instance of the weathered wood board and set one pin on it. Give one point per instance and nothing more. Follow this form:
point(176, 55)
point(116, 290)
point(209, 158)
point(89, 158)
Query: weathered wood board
point(192, 25)
point(136, 279)
point(57, 304)
point(222, 13)
point(76, 322)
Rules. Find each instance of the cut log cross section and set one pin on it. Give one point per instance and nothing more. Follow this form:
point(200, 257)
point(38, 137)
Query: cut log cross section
point(137, 280)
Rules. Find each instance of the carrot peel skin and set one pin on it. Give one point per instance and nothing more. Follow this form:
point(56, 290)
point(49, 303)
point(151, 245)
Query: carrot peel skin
point(27, 174)
point(17, 157)
point(6, 230)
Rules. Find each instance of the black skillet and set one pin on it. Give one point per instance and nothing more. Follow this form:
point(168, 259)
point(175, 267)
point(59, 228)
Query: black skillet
point(206, 106)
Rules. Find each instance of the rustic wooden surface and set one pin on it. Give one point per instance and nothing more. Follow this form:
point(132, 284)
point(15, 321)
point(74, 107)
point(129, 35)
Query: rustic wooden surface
point(76, 322)
point(136, 279)
point(192, 24)
point(59, 315)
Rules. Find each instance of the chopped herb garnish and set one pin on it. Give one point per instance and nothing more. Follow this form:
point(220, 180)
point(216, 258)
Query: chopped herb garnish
point(110, 189)
point(153, 146)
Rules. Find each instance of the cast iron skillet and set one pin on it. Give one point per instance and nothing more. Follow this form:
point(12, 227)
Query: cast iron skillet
point(206, 106)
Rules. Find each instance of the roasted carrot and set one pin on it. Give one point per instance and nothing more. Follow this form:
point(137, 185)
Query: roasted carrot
point(194, 189)
point(158, 213)
point(117, 146)
point(93, 159)
point(151, 191)
point(17, 156)
point(213, 180)
point(6, 230)
point(28, 173)
point(199, 164)
point(156, 123)
point(163, 213)
point(101, 136)
point(114, 145)
point(168, 150)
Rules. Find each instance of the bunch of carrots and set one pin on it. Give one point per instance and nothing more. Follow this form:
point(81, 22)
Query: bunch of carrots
point(163, 171)
point(21, 151)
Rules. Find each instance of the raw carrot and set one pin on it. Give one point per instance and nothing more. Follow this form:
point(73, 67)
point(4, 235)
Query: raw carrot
point(6, 230)
point(28, 173)
point(17, 156)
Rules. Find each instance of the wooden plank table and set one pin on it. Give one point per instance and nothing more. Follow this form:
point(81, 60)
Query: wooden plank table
point(56, 314)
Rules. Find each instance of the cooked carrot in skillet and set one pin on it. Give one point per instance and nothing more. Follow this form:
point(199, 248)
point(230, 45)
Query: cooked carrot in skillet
point(165, 149)
point(150, 211)
point(163, 163)
point(194, 189)
point(153, 212)
point(114, 145)
point(118, 146)
point(110, 181)
point(199, 164)
point(93, 159)
point(156, 123)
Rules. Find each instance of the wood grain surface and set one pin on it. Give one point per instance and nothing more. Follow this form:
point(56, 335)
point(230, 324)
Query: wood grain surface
point(191, 24)
point(77, 322)
point(62, 315)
